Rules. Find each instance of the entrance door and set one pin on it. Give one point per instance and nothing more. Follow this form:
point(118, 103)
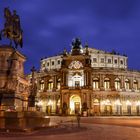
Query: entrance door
point(129, 109)
point(96, 107)
point(77, 107)
point(96, 110)
point(108, 109)
point(118, 109)
point(138, 110)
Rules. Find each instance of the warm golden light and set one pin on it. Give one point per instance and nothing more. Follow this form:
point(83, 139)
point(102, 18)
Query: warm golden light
point(75, 102)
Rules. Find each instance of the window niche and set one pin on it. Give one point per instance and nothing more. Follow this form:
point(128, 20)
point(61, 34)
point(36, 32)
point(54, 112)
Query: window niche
point(135, 85)
point(117, 84)
point(50, 84)
point(42, 85)
point(127, 84)
point(95, 83)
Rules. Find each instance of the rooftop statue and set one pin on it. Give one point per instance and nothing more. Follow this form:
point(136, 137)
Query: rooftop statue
point(76, 47)
point(12, 29)
point(76, 43)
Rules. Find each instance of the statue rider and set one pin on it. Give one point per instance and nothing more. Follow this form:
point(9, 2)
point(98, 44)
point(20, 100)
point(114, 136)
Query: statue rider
point(16, 21)
point(12, 29)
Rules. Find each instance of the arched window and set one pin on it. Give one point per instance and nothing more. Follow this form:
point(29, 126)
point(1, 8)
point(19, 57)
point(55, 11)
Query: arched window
point(58, 84)
point(95, 83)
point(135, 85)
point(117, 83)
point(50, 84)
point(107, 83)
point(42, 85)
point(76, 79)
point(127, 84)
point(128, 104)
point(96, 102)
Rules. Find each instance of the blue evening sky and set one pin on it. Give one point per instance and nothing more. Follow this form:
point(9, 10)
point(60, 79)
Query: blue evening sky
point(50, 25)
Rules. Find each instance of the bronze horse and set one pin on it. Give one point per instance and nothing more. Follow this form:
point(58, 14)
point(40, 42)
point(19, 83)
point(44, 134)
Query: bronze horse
point(12, 29)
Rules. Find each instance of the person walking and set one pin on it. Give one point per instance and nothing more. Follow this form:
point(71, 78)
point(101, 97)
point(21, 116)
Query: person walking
point(78, 119)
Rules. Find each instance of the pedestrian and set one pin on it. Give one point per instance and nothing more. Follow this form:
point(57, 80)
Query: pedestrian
point(78, 119)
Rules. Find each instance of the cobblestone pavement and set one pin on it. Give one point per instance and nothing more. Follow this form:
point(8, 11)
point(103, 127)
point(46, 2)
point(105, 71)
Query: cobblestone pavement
point(90, 129)
point(86, 132)
point(119, 121)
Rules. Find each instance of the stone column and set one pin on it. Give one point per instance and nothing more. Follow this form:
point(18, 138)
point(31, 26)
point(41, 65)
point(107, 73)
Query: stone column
point(90, 103)
point(54, 82)
point(89, 79)
point(64, 78)
point(112, 82)
point(45, 84)
point(61, 103)
point(101, 82)
point(85, 78)
point(131, 83)
point(122, 82)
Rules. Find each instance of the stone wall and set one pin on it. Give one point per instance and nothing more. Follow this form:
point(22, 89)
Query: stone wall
point(22, 120)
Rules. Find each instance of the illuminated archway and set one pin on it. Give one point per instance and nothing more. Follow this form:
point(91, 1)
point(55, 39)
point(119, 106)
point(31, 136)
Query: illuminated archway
point(75, 104)
point(118, 106)
point(128, 105)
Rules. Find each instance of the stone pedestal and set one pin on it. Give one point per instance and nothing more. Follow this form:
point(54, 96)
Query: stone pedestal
point(14, 92)
point(22, 120)
point(13, 83)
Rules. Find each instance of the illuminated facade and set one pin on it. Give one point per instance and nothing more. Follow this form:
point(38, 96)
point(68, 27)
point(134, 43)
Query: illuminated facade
point(88, 80)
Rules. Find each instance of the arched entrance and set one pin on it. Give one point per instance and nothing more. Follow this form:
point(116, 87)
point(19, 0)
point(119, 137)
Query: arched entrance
point(75, 104)
point(107, 107)
point(138, 107)
point(118, 106)
point(128, 104)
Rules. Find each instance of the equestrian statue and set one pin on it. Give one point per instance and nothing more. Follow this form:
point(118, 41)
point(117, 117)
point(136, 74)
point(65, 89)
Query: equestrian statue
point(12, 28)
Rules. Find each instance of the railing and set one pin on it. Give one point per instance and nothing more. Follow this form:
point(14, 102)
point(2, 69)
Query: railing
point(94, 89)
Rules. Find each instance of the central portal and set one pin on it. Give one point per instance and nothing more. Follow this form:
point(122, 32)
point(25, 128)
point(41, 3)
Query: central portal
point(75, 104)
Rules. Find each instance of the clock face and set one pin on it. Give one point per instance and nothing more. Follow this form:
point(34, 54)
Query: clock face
point(75, 65)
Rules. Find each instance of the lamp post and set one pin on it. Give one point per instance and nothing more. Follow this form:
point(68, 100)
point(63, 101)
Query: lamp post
point(33, 91)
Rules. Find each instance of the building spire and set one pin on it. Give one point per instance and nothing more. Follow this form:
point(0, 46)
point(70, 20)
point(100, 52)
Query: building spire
point(86, 47)
point(65, 52)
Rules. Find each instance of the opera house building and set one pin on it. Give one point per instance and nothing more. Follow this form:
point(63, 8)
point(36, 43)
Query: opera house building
point(87, 81)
